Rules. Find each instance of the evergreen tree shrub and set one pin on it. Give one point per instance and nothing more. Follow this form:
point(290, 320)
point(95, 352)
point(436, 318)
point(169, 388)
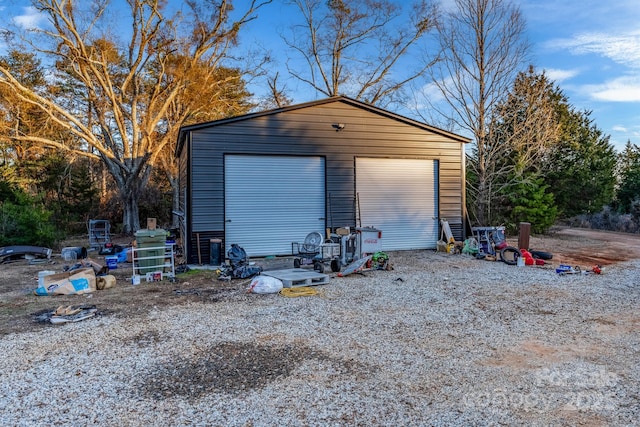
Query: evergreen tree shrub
point(24, 222)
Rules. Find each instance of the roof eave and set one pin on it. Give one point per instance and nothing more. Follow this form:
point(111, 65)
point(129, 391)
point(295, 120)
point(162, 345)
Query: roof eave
point(185, 129)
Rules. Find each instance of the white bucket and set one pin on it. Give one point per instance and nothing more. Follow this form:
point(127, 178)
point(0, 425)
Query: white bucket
point(42, 275)
point(135, 279)
point(520, 261)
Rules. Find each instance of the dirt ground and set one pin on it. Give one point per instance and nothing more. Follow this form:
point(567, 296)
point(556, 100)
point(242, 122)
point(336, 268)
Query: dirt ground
point(22, 311)
point(583, 247)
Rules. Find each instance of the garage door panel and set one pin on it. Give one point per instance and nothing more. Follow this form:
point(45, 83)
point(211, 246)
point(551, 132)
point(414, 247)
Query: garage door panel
point(399, 197)
point(271, 201)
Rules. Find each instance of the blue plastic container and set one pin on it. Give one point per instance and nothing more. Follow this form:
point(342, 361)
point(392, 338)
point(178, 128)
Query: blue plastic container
point(112, 262)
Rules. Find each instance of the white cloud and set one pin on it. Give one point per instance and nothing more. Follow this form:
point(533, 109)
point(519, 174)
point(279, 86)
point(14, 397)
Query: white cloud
point(558, 75)
point(431, 92)
point(622, 48)
point(30, 19)
point(621, 89)
point(619, 128)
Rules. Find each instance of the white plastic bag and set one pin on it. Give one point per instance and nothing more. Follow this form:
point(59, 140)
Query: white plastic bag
point(265, 285)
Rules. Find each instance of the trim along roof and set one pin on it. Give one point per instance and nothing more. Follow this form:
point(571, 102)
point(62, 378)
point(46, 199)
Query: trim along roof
point(186, 129)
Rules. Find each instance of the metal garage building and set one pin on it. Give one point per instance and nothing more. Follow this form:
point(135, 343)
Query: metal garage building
point(264, 180)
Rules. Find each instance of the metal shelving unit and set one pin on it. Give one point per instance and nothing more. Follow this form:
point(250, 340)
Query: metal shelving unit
point(99, 233)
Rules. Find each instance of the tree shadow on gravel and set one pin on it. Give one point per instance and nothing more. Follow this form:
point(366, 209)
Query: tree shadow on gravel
point(231, 368)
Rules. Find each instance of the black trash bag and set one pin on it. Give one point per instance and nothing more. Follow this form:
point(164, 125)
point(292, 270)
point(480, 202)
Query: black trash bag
point(239, 267)
point(245, 271)
point(237, 255)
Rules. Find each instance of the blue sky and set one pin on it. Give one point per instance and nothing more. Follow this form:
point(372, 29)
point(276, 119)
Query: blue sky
point(590, 48)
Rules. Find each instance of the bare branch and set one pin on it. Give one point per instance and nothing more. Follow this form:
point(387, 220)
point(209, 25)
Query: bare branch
point(484, 47)
point(355, 47)
point(120, 97)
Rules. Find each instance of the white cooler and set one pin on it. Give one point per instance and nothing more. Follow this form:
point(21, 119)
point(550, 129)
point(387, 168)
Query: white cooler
point(369, 240)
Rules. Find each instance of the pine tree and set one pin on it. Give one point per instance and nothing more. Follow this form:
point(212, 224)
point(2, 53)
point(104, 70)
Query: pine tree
point(582, 165)
point(531, 202)
point(629, 173)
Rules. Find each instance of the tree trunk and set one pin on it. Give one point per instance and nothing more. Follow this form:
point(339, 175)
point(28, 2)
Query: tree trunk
point(481, 202)
point(175, 202)
point(131, 212)
point(482, 196)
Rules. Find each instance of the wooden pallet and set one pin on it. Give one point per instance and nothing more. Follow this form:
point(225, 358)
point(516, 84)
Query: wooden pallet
point(296, 277)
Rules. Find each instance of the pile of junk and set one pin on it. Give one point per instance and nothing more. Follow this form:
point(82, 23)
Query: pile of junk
point(239, 266)
point(489, 243)
point(345, 250)
point(341, 248)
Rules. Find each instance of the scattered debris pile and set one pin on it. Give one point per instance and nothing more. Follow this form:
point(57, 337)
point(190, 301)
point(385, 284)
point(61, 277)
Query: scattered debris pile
point(239, 266)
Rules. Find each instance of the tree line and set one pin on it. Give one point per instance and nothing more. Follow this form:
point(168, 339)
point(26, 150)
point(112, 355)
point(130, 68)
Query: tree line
point(90, 114)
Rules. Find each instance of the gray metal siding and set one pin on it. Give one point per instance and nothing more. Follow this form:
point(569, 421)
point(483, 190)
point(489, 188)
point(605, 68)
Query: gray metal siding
point(309, 131)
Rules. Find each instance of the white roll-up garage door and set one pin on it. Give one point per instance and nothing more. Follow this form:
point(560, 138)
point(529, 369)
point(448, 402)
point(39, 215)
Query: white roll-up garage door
point(271, 201)
point(399, 197)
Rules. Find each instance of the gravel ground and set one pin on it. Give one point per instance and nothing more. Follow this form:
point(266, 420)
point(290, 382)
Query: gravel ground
point(439, 340)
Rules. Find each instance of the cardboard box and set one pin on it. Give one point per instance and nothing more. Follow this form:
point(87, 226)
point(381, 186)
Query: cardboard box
point(151, 223)
point(97, 268)
point(74, 282)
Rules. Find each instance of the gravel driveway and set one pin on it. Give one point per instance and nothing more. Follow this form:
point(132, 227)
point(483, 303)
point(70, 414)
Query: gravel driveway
point(439, 340)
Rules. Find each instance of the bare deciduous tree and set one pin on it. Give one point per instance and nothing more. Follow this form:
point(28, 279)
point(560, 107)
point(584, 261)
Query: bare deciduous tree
point(278, 96)
point(483, 47)
point(354, 47)
point(129, 95)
